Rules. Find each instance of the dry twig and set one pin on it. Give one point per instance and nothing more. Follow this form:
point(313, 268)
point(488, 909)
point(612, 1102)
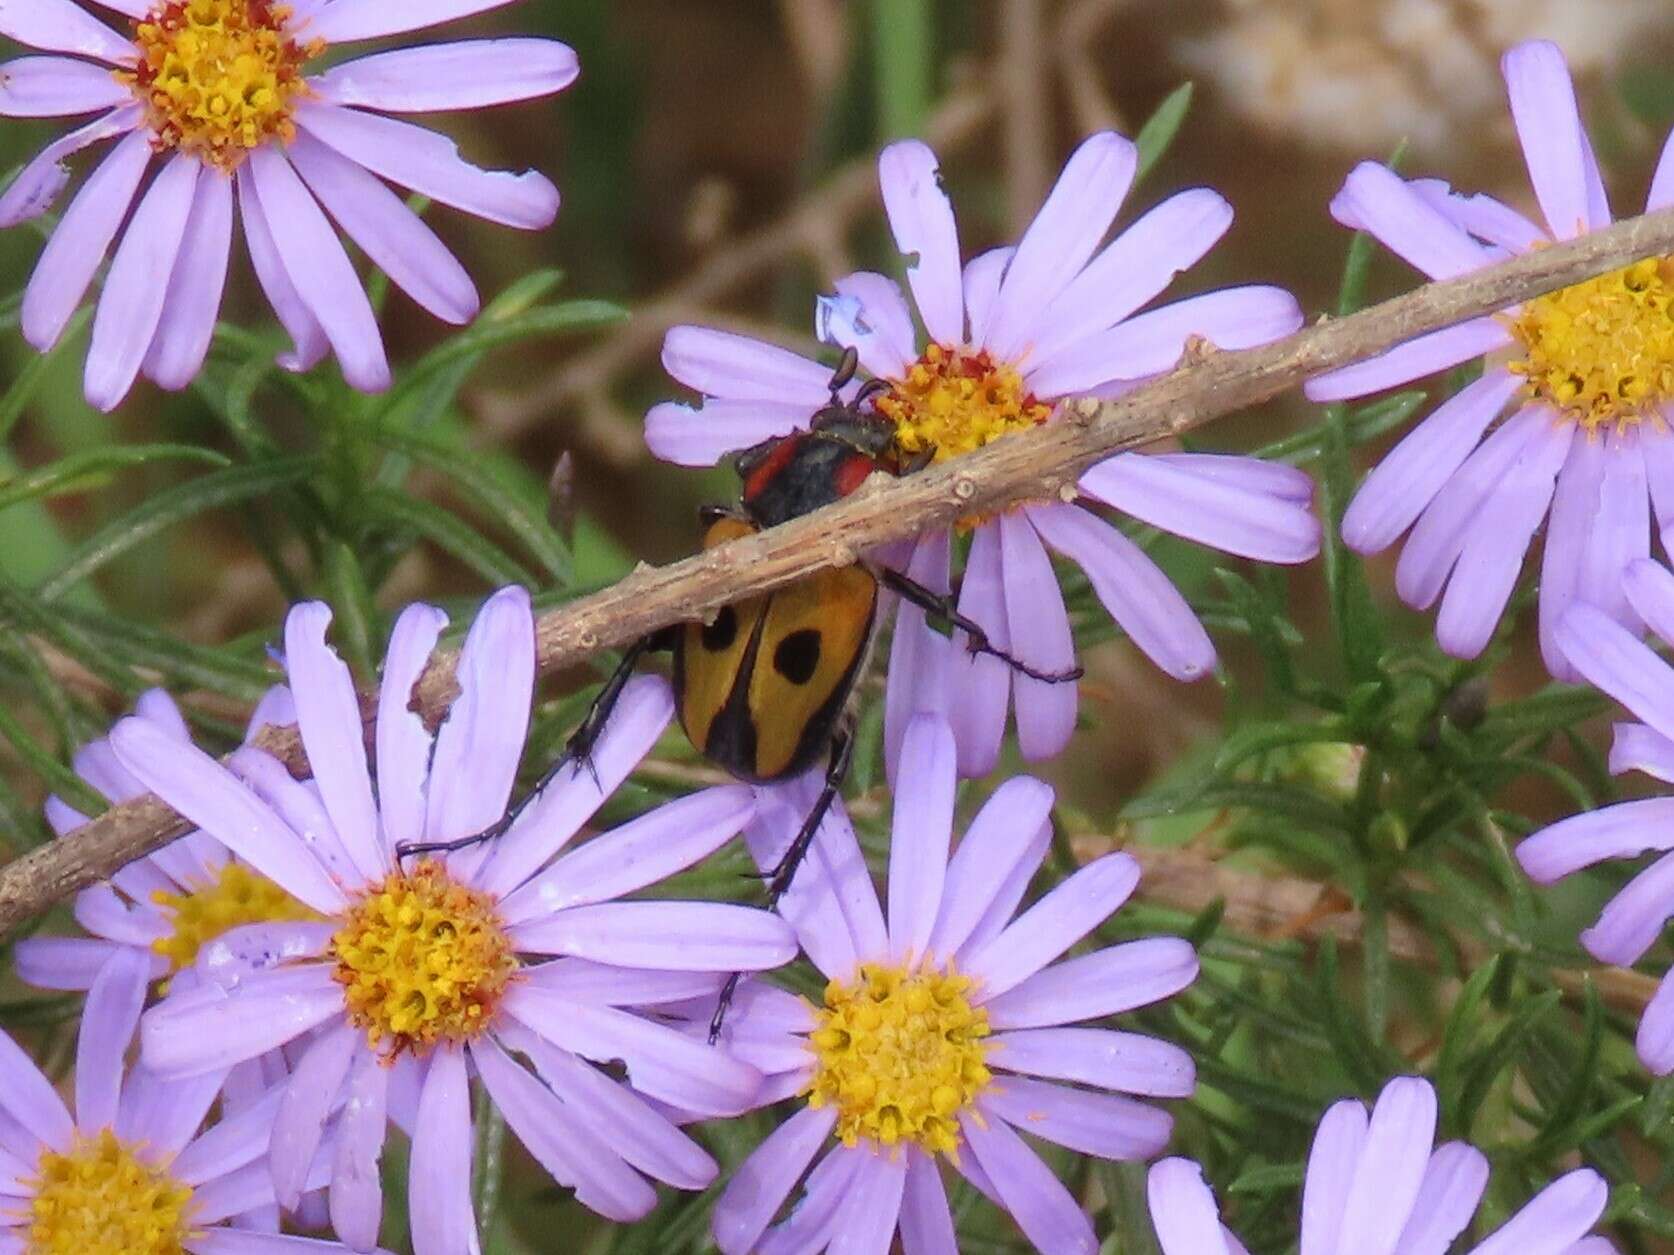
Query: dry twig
point(1043, 465)
point(1266, 905)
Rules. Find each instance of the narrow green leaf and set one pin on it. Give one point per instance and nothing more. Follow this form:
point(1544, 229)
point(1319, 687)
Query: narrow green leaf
point(1502, 1051)
point(1459, 1039)
point(450, 535)
point(179, 664)
point(1156, 136)
point(25, 611)
point(904, 61)
point(1130, 1214)
point(16, 398)
point(354, 621)
point(90, 468)
point(171, 506)
point(21, 829)
point(1565, 1114)
point(1267, 1179)
point(1259, 738)
point(516, 515)
point(568, 318)
point(1267, 628)
point(59, 778)
point(488, 1163)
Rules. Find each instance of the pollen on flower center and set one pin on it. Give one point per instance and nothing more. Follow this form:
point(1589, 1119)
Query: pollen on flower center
point(1602, 351)
point(422, 958)
point(218, 77)
point(102, 1198)
point(954, 401)
point(236, 897)
point(900, 1055)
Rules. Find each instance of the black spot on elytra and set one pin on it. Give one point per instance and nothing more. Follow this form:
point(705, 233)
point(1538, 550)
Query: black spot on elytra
point(721, 633)
point(798, 655)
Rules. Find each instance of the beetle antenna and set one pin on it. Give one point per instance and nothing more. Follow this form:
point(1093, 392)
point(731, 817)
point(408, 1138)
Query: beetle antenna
point(846, 367)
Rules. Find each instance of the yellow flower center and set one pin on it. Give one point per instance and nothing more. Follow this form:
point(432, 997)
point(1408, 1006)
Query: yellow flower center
point(218, 77)
point(900, 1055)
point(103, 1199)
point(953, 401)
point(237, 897)
point(422, 958)
point(1602, 352)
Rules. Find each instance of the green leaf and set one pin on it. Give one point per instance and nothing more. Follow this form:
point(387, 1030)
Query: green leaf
point(904, 57)
point(90, 468)
point(25, 611)
point(171, 506)
point(1157, 135)
point(506, 507)
point(1300, 806)
point(1268, 1179)
point(568, 318)
point(354, 617)
point(1459, 1039)
point(1501, 1052)
point(16, 398)
point(1267, 626)
point(1357, 1052)
point(1565, 1114)
point(450, 535)
point(178, 663)
point(60, 779)
point(1130, 1214)
point(1364, 424)
point(1259, 738)
point(21, 829)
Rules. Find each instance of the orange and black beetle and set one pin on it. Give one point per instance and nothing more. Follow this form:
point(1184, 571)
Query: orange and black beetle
point(763, 689)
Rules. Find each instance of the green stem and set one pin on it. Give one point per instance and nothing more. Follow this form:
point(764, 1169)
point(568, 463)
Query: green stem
point(903, 59)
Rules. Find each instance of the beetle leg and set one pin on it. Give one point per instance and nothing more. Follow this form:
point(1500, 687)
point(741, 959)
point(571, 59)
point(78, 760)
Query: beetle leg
point(578, 747)
point(942, 606)
point(780, 878)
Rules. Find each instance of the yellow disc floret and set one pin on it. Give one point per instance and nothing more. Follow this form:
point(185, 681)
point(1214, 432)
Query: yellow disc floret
point(422, 959)
point(218, 77)
point(1602, 352)
point(953, 401)
point(236, 897)
point(103, 1198)
point(900, 1055)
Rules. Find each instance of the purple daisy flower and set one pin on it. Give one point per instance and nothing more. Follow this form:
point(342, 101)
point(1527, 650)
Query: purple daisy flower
point(222, 92)
point(168, 904)
point(416, 976)
point(1583, 379)
point(942, 1031)
point(1375, 1186)
point(1011, 334)
point(165, 907)
point(131, 1171)
point(1614, 659)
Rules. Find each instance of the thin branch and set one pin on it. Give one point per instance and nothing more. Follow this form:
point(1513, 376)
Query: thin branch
point(1044, 464)
point(1271, 906)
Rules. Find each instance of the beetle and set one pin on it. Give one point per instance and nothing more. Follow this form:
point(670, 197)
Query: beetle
point(766, 686)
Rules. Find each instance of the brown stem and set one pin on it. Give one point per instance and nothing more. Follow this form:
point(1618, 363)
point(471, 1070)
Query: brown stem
point(1044, 464)
point(1274, 906)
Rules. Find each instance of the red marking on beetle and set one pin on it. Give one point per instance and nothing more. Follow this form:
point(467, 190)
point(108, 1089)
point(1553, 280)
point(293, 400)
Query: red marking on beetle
point(853, 472)
point(768, 470)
